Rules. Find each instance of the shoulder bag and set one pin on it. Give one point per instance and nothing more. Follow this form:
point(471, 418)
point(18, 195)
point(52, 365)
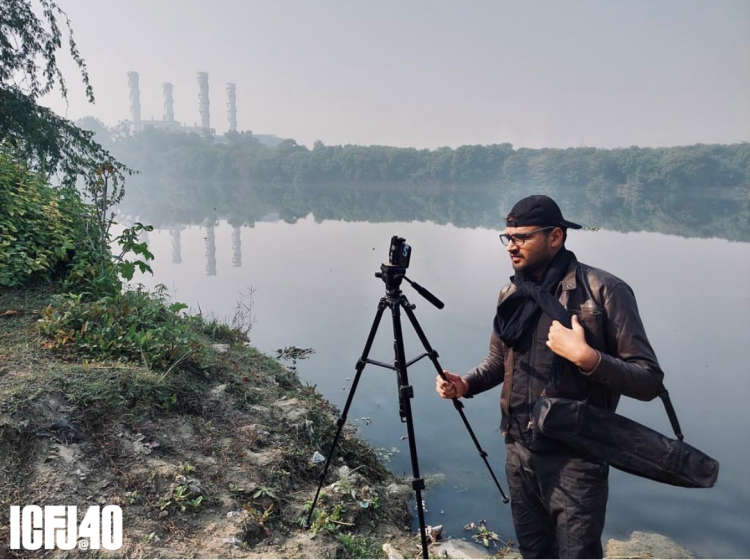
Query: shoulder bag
point(625, 444)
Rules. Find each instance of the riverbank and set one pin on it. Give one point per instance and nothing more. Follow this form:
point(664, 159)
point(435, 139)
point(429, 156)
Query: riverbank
point(211, 461)
point(216, 460)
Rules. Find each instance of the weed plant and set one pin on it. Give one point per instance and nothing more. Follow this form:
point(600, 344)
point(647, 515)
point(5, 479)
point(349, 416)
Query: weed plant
point(133, 326)
point(358, 547)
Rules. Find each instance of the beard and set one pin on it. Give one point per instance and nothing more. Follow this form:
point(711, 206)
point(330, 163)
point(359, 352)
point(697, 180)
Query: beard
point(532, 264)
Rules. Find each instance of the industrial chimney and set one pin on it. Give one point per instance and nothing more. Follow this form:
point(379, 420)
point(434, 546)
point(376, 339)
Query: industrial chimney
point(203, 102)
point(232, 107)
point(168, 102)
point(135, 100)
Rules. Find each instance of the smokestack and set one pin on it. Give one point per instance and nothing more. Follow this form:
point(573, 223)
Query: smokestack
point(203, 102)
point(232, 107)
point(168, 102)
point(135, 100)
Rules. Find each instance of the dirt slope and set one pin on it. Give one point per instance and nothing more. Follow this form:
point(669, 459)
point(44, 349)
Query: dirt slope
point(208, 462)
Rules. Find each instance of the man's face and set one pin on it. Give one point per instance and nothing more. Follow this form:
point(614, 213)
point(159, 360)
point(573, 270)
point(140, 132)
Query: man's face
point(534, 254)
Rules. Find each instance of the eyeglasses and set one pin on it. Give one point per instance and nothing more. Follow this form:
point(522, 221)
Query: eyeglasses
point(519, 239)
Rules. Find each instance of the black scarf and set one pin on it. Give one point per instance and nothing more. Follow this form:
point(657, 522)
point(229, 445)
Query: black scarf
point(520, 311)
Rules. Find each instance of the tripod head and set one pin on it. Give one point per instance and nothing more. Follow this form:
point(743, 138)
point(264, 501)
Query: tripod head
point(394, 271)
point(392, 275)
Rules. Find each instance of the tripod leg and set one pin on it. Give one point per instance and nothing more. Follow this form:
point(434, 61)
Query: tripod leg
point(406, 392)
point(458, 405)
point(342, 419)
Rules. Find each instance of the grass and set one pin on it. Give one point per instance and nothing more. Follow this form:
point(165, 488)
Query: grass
point(358, 547)
point(98, 389)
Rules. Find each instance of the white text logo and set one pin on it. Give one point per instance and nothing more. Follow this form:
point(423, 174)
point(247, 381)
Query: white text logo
point(57, 526)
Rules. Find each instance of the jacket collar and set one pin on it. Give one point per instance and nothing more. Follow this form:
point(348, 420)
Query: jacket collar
point(569, 280)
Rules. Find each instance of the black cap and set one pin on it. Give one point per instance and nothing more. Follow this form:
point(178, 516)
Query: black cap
point(538, 210)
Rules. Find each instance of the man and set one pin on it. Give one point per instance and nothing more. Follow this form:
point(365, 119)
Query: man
point(558, 496)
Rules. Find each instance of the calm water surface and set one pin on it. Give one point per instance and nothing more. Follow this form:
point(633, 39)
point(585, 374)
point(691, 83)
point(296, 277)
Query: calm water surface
point(315, 287)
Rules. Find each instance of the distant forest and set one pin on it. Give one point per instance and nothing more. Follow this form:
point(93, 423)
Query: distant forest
point(241, 157)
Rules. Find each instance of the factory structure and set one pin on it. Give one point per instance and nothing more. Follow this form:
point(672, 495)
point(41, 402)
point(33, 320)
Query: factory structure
point(168, 122)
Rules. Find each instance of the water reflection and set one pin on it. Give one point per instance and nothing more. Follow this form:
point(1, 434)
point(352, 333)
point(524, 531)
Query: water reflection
point(236, 246)
point(722, 212)
point(314, 287)
point(176, 245)
point(210, 248)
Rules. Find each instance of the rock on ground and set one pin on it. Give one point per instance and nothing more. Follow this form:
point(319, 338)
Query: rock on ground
point(454, 548)
point(391, 553)
point(645, 545)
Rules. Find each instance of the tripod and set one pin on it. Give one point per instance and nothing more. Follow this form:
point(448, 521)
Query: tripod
point(394, 299)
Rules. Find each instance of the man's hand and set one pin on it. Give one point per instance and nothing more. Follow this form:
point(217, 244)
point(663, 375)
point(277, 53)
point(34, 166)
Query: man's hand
point(571, 344)
point(454, 388)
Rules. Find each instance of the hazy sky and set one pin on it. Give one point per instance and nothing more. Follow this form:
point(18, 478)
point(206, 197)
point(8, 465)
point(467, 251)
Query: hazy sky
point(429, 73)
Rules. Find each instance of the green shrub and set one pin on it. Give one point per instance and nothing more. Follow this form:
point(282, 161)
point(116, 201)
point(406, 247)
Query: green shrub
point(358, 547)
point(97, 272)
point(135, 325)
point(40, 226)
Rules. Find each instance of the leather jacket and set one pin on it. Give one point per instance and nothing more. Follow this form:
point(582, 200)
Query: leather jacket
point(607, 310)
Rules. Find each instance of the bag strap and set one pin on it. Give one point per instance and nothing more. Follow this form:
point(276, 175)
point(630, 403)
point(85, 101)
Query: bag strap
point(663, 393)
point(664, 396)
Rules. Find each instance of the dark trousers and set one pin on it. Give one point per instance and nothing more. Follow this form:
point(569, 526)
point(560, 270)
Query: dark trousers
point(558, 500)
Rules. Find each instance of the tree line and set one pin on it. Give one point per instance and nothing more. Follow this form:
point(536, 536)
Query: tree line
point(241, 157)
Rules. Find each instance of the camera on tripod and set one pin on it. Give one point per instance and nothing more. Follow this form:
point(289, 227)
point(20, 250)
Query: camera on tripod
point(392, 274)
point(400, 252)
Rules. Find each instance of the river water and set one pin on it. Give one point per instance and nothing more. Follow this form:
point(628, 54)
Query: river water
point(310, 259)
